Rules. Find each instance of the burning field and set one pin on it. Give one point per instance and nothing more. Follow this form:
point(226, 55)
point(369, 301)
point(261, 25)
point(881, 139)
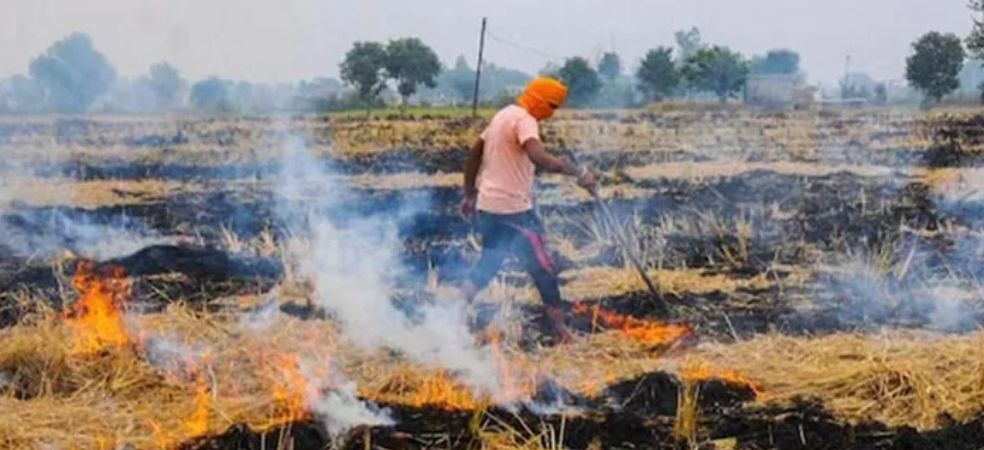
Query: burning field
point(291, 283)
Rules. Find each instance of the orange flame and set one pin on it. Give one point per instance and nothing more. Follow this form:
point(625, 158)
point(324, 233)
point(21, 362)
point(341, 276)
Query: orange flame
point(197, 424)
point(699, 371)
point(511, 390)
point(95, 319)
point(289, 388)
point(644, 331)
point(442, 392)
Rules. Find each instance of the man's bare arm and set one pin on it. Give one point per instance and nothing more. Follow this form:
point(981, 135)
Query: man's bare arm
point(550, 163)
point(472, 165)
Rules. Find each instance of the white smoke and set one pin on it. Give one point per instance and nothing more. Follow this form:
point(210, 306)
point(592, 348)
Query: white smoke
point(171, 354)
point(352, 261)
point(339, 410)
point(907, 289)
point(262, 318)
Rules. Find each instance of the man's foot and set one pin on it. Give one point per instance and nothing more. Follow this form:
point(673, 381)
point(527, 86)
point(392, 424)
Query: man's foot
point(556, 317)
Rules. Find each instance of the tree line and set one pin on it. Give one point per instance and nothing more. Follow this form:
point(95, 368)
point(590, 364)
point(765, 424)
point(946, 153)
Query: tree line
point(72, 76)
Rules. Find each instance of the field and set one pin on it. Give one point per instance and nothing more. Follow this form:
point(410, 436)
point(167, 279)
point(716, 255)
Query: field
point(291, 282)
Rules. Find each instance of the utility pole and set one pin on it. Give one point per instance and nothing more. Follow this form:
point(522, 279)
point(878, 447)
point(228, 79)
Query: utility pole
point(478, 68)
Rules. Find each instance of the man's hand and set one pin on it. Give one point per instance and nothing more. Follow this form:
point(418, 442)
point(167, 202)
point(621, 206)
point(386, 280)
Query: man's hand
point(467, 208)
point(587, 181)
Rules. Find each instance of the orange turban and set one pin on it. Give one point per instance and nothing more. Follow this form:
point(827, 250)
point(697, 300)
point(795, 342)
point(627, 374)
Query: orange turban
point(542, 97)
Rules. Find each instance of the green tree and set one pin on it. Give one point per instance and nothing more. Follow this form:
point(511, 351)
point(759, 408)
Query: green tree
point(610, 66)
point(212, 94)
point(657, 74)
point(781, 61)
point(72, 74)
point(717, 69)
point(581, 79)
point(935, 63)
point(363, 69)
point(166, 84)
point(411, 63)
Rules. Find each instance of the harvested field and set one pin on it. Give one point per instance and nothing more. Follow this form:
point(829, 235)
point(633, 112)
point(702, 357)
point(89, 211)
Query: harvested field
point(293, 282)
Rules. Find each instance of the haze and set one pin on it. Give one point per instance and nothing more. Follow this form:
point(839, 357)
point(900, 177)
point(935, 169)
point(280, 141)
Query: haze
point(289, 40)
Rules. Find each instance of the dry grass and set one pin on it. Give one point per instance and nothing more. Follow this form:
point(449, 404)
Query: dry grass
point(731, 134)
point(250, 377)
point(698, 172)
point(597, 282)
point(897, 378)
point(41, 192)
point(245, 376)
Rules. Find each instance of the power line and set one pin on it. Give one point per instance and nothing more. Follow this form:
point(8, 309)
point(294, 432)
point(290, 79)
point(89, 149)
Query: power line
point(525, 48)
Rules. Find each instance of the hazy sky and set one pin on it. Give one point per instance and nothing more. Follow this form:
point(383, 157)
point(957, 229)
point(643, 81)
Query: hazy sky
point(286, 40)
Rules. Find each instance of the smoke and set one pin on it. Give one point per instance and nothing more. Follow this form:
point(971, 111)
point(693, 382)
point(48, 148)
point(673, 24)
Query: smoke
point(907, 290)
point(262, 318)
point(171, 354)
point(352, 261)
point(27, 231)
point(333, 400)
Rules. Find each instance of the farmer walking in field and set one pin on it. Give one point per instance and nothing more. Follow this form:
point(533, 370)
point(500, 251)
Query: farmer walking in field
point(499, 189)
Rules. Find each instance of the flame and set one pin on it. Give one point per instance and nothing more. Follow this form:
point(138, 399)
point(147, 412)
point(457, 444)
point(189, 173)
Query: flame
point(197, 424)
point(696, 371)
point(511, 390)
point(592, 387)
point(644, 331)
point(289, 388)
point(441, 391)
point(95, 319)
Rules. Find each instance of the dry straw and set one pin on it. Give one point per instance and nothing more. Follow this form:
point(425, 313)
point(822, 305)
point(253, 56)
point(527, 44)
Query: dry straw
point(900, 378)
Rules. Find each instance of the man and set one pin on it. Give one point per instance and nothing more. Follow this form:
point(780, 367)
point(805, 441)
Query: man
point(503, 162)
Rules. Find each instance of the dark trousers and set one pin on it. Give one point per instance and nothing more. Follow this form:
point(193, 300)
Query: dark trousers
point(520, 235)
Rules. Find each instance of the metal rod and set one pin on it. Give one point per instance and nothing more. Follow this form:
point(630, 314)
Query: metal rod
point(620, 240)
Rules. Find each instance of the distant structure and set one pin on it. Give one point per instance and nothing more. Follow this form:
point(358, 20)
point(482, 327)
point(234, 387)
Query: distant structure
point(971, 80)
point(778, 91)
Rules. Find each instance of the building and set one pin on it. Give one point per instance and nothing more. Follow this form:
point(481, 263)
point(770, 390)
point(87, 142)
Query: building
point(778, 91)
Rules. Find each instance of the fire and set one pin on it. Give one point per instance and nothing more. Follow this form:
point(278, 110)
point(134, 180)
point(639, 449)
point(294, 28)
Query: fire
point(511, 390)
point(442, 392)
point(644, 331)
point(95, 319)
point(197, 424)
point(289, 388)
point(696, 371)
point(593, 386)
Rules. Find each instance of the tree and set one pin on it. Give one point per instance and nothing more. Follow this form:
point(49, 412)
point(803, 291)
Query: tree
point(461, 79)
point(72, 73)
point(21, 94)
point(975, 42)
point(581, 79)
point(363, 69)
point(411, 63)
point(166, 84)
point(211, 94)
point(935, 63)
point(718, 70)
point(610, 66)
point(781, 61)
point(657, 74)
point(689, 42)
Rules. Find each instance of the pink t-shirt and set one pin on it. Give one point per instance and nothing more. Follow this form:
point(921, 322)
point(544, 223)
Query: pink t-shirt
point(505, 181)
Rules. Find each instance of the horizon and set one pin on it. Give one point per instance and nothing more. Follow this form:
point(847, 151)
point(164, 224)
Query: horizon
point(293, 40)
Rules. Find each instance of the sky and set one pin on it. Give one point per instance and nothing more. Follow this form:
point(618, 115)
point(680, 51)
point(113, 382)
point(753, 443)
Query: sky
point(289, 40)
